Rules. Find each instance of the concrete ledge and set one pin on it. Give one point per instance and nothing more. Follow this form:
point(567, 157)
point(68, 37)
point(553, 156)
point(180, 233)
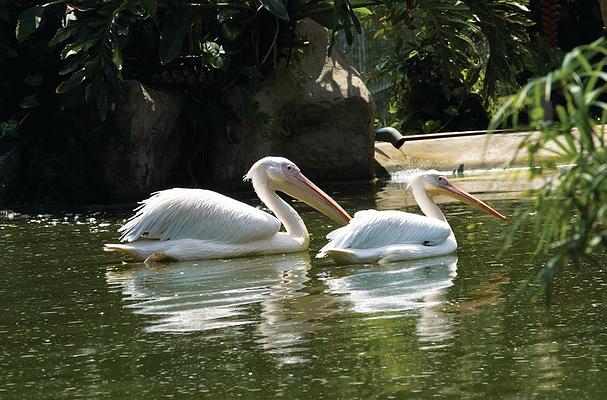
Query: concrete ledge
point(447, 151)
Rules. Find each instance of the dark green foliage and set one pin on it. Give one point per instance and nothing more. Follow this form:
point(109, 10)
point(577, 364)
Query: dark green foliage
point(214, 43)
point(23, 83)
point(570, 209)
point(451, 60)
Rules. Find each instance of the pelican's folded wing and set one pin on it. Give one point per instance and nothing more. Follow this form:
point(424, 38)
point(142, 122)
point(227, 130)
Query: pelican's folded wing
point(198, 214)
point(372, 229)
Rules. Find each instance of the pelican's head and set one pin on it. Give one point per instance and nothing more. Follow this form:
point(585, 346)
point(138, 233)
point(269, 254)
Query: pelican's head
point(436, 183)
point(281, 174)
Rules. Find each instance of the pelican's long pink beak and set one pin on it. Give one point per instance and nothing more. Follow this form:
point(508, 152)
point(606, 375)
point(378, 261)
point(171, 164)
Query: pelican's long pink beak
point(459, 194)
point(305, 190)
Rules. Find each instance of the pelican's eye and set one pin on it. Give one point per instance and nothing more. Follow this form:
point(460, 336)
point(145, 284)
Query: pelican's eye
point(289, 169)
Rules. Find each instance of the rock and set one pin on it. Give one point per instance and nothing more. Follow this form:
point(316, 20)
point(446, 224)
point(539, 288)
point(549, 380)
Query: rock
point(144, 151)
point(316, 112)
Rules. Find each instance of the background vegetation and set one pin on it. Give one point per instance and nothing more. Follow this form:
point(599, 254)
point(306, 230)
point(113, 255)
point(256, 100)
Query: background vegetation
point(451, 64)
point(90, 46)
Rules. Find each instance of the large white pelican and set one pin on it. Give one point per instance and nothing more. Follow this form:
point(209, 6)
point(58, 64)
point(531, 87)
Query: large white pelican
point(386, 236)
point(195, 224)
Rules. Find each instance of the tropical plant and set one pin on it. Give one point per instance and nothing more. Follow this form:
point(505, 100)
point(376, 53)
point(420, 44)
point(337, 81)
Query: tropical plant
point(569, 108)
point(452, 59)
point(212, 43)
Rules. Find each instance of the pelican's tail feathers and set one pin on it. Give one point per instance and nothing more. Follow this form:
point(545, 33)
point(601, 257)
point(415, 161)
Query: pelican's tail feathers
point(127, 249)
point(349, 256)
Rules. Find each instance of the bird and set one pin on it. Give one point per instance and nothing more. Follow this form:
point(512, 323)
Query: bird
point(386, 236)
point(182, 224)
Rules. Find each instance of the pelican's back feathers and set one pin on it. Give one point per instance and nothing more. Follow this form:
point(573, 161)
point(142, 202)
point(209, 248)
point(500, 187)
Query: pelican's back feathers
point(198, 214)
point(372, 229)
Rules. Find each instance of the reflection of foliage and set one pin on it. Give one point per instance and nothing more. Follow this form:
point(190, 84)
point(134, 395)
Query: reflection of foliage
point(571, 207)
point(219, 42)
point(454, 56)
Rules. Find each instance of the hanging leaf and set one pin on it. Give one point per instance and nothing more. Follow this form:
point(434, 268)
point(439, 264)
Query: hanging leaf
point(356, 22)
point(77, 47)
point(174, 30)
point(276, 7)
point(61, 35)
point(72, 82)
point(28, 22)
point(73, 64)
point(116, 55)
point(29, 102)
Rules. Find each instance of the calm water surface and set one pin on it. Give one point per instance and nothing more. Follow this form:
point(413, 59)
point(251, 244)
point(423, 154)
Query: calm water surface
point(78, 323)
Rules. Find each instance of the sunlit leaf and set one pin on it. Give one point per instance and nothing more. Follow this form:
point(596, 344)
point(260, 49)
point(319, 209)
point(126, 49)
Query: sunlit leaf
point(72, 82)
point(28, 21)
point(61, 35)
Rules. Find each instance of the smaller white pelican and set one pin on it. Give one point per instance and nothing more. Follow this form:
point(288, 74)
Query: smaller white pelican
point(196, 224)
point(386, 236)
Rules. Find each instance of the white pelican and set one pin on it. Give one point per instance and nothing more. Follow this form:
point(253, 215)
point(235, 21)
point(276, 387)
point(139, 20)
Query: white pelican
point(387, 236)
point(195, 224)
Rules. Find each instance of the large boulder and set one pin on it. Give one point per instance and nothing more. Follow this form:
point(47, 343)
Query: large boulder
point(316, 111)
point(145, 151)
point(136, 151)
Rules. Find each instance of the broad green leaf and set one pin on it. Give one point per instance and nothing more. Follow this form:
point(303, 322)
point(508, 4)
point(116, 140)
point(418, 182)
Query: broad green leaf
point(75, 48)
point(363, 11)
point(28, 22)
point(72, 82)
point(61, 35)
point(174, 30)
point(73, 64)
point(356, 22)
point(276, 7)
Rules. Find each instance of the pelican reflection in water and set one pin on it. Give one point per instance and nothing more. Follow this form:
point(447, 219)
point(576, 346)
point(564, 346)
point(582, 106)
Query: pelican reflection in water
point(203, 295)
point(415, 287)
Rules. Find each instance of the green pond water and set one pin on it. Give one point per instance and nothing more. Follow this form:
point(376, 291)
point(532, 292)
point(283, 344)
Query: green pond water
point(76, 322)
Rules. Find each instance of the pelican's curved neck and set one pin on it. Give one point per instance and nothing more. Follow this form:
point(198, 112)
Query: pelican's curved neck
point(293, 223)
point(426, 204)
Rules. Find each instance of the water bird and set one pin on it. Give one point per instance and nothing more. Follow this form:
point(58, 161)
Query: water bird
point(195, 224)
point(386, 236)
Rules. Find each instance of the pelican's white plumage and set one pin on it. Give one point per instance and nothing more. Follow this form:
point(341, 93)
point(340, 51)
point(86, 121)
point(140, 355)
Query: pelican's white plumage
point(177, 214)
point(372, 228)
point(387, 236)
point(191, 224)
